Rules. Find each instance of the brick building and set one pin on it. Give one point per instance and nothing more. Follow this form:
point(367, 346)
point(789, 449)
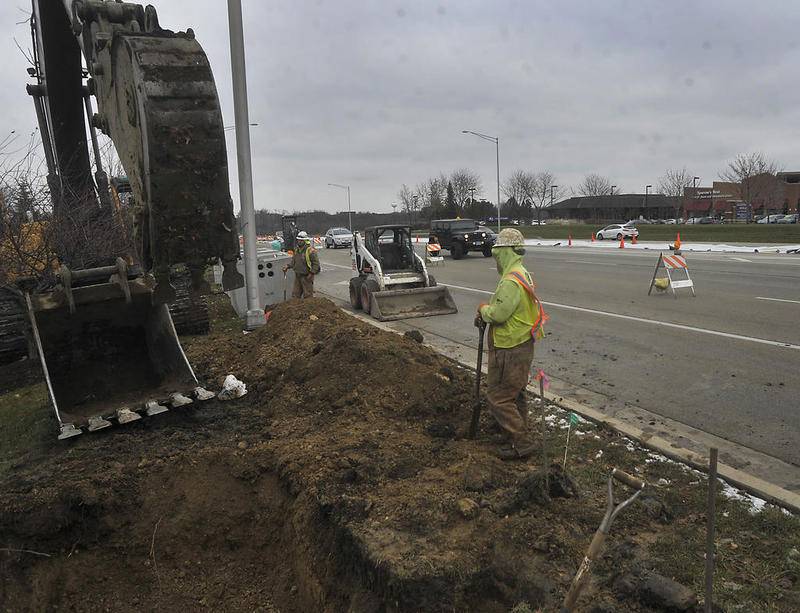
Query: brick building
point(766, 194)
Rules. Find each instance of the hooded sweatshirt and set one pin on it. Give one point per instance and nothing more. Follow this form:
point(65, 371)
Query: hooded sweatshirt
point(511, 311)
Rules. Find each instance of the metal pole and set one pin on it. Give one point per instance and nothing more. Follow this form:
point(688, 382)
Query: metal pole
point(710, 516)
point(497, 144)
point(255, 315)
point(349, 214)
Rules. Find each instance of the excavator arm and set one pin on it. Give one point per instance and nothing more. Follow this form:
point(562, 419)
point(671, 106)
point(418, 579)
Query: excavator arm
point(157, 101)
point(107, 345)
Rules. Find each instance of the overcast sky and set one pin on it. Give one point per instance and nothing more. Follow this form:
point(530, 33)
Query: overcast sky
point(375, 93)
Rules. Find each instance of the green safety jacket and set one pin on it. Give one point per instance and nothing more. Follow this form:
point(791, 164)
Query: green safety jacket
point(305, 260)
point(514, 312)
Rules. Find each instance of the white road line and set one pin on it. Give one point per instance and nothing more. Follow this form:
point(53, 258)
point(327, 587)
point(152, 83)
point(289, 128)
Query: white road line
point(338, 266)
point(590, 262)
point(654, 322)
point(742, 260)
point(777, 299)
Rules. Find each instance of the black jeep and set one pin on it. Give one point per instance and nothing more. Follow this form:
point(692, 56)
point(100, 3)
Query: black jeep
point(460, 236)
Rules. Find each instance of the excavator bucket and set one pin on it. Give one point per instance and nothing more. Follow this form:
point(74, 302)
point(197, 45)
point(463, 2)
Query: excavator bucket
point(407, 303)
point(108, 353)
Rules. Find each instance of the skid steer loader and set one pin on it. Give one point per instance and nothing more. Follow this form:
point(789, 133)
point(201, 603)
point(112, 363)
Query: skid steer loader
point(391, 280)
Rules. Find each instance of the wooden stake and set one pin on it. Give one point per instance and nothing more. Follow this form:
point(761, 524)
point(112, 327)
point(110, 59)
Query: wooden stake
point(710, 517)
point(544, 435)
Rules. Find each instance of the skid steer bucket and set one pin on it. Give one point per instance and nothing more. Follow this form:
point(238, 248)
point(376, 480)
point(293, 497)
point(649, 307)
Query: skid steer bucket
point(107, 352)
point(407, 303)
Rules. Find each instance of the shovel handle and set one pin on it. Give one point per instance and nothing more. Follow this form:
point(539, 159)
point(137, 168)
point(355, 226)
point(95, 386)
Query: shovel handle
point(476, 408)
point(629, 480)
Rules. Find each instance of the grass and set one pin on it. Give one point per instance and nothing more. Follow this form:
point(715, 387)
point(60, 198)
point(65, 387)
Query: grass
point(723, 233)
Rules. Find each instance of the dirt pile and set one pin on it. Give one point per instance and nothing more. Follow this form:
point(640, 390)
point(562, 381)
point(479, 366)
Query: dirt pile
point(336, 484)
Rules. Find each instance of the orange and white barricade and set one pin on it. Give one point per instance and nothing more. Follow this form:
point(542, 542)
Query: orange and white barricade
point(670, 266)
point(433, 254)
point(317, 242)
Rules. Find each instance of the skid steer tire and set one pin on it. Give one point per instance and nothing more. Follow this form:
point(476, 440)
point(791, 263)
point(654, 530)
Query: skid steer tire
point(368, 287)
point(457, 251)
point(431, 281)
point(487, 252)
point(355, 293)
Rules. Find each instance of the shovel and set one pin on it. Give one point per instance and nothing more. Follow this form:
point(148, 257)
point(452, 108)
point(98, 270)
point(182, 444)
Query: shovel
point(476, 409)
point(599, 540)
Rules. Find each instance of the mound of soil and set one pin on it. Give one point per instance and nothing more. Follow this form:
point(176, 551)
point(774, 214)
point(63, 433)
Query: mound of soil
point(335, 484)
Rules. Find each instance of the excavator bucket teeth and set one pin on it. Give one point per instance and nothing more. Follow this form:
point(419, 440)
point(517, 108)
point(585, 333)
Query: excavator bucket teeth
point(68, 431)
point(102, 355)
point(407, 303)
point(126, 416)
point(153, 408)
point(98, 422)
point(179, 400)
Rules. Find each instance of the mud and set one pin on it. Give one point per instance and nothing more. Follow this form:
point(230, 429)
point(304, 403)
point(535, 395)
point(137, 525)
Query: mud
point(336, 484)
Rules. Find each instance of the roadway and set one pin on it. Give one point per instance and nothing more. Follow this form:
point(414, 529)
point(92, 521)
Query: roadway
point(727, 363)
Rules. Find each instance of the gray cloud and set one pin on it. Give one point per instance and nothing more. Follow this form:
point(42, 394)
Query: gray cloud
point(376, 93)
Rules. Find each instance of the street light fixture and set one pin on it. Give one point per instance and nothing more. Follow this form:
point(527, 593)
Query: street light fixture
point(646, 193)
point(496, 141)
point(349, 213)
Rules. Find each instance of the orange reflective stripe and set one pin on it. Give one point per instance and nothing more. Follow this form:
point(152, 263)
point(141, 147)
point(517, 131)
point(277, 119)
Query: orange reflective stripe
point(543, 317)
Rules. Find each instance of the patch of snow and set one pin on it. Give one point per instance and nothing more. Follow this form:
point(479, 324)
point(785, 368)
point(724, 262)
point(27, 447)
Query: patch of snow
point(756, 505)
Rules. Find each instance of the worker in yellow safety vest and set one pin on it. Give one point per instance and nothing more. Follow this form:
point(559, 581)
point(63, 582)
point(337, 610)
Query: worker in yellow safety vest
point(515, 317)
point(305, 263)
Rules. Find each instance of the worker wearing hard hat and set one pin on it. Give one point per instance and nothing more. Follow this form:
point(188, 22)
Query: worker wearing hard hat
point(305, 263)
point(515, 316)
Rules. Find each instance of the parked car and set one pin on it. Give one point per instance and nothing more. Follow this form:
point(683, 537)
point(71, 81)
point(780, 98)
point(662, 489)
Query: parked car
point(670, 222)
point(338, 237)
point(460, 236)
point(707, 220)
point(617, 231)
point(770, 219)
point(791, 218)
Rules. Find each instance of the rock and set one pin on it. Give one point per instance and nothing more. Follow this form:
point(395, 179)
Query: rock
point(655, 508)
point(313, 317)
point(441, 430)
point(468, 508)
point(659, 591)
point(414, 335)
point(242, 445)
point(477, 478)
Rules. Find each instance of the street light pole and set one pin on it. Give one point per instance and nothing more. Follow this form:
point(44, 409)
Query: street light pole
point(611, 202)
point(646, 193)
point(694, 188)
point(552, 199)
point(496, 141)
point(349, 213)
point(255, 314)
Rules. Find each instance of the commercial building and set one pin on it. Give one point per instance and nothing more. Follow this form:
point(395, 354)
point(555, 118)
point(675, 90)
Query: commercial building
point(616, 208)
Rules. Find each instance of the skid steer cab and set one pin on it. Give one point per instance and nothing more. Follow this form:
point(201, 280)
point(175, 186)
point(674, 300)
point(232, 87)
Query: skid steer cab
point(391, 280)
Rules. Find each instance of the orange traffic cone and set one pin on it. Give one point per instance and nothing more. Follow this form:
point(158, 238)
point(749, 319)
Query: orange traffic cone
point(593, 239)
point(678, 241)
point(569, 243)
point(633, 240)
point(622, 242)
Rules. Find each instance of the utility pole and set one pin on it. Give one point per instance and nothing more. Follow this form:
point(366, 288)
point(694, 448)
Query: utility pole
point(496, 141)
point(255, 314)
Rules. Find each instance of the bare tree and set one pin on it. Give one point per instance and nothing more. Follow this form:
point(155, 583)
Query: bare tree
point(756, 177)
point(594, 185)
point(543, 189)
point(466, 184)
point(673, 183)
point(518, 189)
point(409, 201)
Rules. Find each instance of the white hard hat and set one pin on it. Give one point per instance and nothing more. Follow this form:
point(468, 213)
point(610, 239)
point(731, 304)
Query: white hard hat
point(303, 236)
point(509, 237)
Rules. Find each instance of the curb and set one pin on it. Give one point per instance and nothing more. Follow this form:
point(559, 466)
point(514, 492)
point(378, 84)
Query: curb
point(749, 483)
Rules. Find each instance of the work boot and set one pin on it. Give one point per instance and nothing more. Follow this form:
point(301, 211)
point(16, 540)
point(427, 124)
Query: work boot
point(522, 447)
